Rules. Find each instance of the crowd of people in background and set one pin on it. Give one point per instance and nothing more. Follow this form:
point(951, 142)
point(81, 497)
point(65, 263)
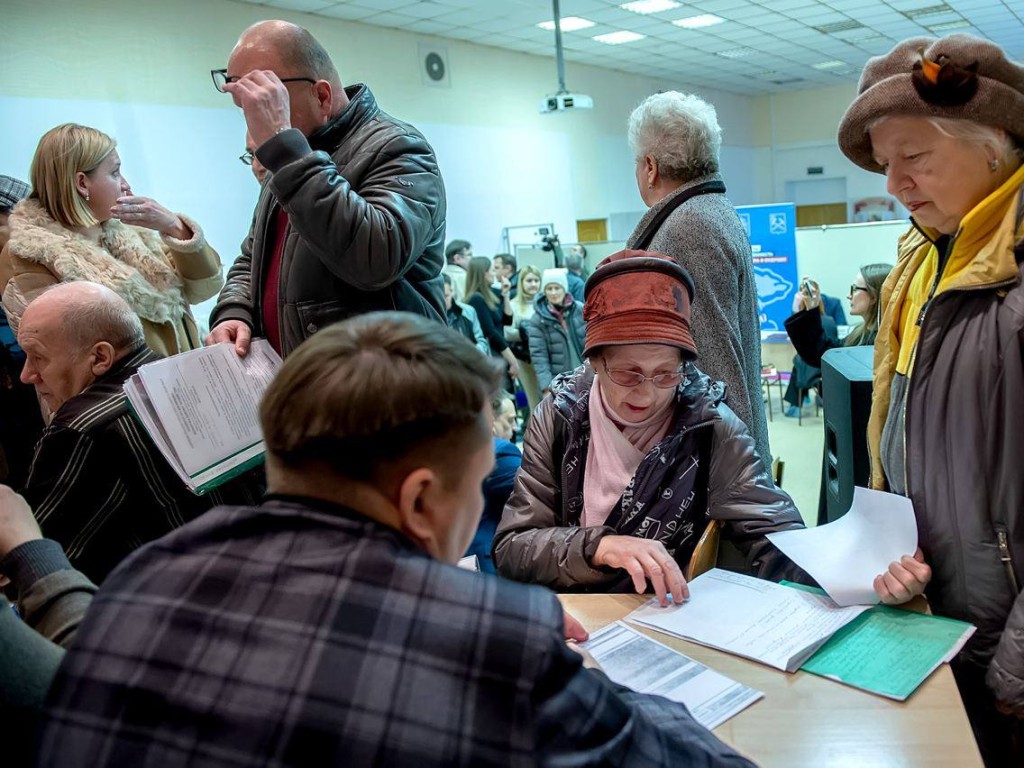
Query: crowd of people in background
point(309, 608)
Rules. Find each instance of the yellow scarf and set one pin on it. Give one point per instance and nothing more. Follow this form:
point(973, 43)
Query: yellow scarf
point(982, 254)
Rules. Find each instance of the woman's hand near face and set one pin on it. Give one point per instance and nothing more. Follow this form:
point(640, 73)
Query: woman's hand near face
point(146, 212)
point(643, 560)
point(805, 299)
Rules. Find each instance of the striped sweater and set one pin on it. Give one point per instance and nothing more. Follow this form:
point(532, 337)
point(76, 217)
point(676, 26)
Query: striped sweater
point(98, 484)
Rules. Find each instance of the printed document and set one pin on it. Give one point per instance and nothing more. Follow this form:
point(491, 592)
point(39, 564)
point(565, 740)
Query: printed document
point(201, 408)
point(647, 666)
point(757, 619)
point(846, 555)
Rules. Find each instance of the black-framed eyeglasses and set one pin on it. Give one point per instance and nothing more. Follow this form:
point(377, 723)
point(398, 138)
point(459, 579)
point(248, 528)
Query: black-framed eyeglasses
point(854, 288)
point(246, 157)
point(626, 378)
point(220, 79)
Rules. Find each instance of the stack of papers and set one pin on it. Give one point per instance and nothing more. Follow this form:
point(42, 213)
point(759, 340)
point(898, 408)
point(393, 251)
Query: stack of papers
point(845, 556)
point(647, 666)
point(888, 651)
point(201, 409)
point(757, 619)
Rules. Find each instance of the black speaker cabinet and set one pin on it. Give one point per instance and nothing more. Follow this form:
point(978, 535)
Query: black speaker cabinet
point(846, 392)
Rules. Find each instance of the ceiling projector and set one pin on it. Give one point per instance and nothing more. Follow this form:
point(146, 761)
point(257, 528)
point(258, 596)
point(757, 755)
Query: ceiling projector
point(564, 101)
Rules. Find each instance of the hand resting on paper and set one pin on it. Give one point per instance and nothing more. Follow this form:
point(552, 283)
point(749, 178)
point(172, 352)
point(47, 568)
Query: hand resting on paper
point(644, 559)
point(231, 332)
point(573, 629)
point(905, 579)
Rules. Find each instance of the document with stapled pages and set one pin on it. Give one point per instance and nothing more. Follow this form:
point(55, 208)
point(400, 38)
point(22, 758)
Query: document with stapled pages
point(750, 617)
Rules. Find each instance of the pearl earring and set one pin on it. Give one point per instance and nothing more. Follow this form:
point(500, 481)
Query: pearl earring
point(87, 197)
point(993, 165)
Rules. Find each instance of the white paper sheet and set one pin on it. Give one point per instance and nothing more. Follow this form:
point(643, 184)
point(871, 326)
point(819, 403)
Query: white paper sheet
point(645, 665)
point(845, 556)
point(207, 402)
point(757, 619)
point(469, 563)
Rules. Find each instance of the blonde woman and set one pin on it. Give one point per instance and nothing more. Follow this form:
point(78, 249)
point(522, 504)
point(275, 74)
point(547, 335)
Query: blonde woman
point(523, 307)
point(82, 222)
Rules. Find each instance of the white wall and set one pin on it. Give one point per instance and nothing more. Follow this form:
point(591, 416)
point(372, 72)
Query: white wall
point(140, 69)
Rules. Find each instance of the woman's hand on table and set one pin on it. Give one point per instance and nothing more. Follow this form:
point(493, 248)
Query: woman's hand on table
point(146, 212)
point(643, 560)
point(905, 579)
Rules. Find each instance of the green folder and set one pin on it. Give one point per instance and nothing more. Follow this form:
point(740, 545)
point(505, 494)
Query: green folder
point(888, 651)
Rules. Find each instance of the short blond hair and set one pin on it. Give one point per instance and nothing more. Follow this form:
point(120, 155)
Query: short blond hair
point(62, 152)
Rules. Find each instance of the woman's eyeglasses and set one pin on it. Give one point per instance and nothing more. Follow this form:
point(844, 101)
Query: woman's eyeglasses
point(626, 378)
point(854, 288)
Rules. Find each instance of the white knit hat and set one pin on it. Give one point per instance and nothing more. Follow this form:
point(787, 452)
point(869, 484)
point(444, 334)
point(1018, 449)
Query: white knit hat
point(556, 276)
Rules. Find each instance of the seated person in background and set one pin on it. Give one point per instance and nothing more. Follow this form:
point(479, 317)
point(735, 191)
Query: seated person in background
point(82, 222)
point(556, 331)
point(807, 325)
point(633, 454)
point(462, 317)
point(51, 598)
point(330, 624)
point(98, 484)
point(498, 485)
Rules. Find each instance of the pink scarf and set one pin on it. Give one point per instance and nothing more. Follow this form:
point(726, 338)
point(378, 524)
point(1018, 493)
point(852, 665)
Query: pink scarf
point(616, 450)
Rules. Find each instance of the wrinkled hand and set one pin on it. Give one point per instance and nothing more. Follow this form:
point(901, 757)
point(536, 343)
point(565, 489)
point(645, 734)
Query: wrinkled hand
point(644, 559)
point(146, 212)
point(264, 101)
point(905, 579)
point(231, 332)
point(17, 525)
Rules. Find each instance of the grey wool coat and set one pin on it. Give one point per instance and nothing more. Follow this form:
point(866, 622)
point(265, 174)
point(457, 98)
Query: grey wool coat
point(705, 236)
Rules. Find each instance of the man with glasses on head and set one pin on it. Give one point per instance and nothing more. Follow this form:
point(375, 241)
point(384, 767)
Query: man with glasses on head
point(352, 217)
point(630, 456)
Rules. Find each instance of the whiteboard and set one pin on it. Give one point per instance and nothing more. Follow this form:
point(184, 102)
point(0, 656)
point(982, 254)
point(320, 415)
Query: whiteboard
point(833, 255)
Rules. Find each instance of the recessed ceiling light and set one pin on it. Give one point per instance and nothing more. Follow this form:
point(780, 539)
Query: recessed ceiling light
point(950, 25)
point(649, 6)
point(943, 8)
point(834, 64)
point(696, 22)
point(736, 53)
point(839, 26)
point(568, 24)
point(617, 38)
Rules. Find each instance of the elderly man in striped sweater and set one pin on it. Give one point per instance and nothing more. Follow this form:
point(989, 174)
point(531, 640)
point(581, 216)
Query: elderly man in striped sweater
point(98, 484)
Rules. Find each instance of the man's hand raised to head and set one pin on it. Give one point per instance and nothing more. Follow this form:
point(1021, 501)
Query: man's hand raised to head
point(264, 101)
point(17, 525)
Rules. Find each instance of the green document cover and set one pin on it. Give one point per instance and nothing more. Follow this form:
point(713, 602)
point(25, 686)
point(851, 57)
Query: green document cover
point(886, 650)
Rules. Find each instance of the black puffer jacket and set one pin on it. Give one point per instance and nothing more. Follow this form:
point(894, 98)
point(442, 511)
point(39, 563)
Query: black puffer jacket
point(555, 349)
point(540, 539)
point(366, 210)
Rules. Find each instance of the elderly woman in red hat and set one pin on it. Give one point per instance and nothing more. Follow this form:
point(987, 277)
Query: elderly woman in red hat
point(943, 120)
point(633, 453)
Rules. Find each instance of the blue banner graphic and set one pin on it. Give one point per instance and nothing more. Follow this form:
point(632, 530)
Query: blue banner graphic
point(772, 233)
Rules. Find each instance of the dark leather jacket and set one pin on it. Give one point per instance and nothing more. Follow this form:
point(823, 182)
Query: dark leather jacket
point(540, 539)
point(366, 209)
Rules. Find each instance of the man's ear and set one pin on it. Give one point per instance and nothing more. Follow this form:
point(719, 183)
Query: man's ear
point(418, 497)
point(103, 358)
point(325, 96)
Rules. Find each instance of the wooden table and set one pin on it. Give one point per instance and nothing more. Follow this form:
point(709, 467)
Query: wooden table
point(806, 720)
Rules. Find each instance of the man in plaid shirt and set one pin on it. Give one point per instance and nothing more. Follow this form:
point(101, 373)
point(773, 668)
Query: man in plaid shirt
point(328, 626)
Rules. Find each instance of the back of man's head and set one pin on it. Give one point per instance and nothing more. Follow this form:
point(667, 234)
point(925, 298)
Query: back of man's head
point(456, 248)
point(377, 396)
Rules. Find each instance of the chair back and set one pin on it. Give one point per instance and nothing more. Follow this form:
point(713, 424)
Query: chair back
point(705, 556)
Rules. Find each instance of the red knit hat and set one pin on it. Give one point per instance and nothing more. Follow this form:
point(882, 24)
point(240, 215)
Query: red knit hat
point(639, 297)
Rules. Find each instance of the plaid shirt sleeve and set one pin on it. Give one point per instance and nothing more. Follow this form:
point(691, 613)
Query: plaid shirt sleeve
point(585, 720)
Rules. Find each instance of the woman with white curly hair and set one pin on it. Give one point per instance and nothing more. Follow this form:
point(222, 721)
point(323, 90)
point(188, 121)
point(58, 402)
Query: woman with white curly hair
point(675, 139)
